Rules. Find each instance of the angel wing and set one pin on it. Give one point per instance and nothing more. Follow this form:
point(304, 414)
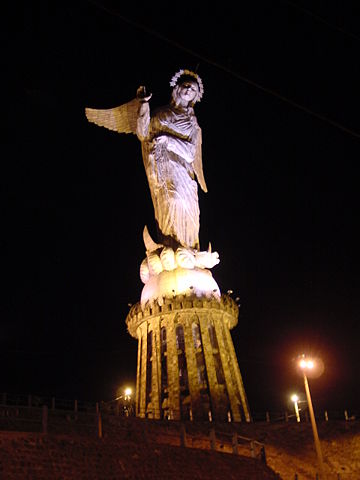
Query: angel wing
point(122, 119)
point(198, 168)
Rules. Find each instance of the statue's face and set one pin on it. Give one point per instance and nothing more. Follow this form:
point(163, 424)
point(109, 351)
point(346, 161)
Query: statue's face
point(188, 90)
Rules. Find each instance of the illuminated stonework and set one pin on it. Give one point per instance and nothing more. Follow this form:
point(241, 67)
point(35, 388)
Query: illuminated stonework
point(187, 366)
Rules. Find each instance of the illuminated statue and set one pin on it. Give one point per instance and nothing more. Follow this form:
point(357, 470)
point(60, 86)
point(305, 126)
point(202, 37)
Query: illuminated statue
point(187, 366)
point(171, 149)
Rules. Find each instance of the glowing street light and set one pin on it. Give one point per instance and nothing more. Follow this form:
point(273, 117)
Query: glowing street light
point(295, 399)
point(124, 401)
point(127, 393)
point(307, 364)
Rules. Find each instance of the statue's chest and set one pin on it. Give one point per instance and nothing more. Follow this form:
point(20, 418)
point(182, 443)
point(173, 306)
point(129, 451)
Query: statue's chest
point(181, 124)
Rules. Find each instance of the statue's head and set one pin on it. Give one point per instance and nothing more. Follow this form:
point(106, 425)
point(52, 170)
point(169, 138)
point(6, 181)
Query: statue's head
point(190, 80)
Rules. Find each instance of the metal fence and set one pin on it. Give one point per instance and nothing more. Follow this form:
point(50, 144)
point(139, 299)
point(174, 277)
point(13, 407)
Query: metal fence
point(324, 415)
point(114, 407)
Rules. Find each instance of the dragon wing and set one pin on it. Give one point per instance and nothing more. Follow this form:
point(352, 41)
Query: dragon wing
point(122, 119)
point(198, 168)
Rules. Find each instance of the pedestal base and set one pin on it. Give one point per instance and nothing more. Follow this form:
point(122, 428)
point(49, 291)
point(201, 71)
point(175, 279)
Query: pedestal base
point(187, 366)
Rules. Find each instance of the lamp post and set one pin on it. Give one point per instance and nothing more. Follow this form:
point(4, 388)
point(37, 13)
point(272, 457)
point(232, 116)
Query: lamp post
point(307, 365)
point(295, 399)
point(124, 400)
point(127, 398)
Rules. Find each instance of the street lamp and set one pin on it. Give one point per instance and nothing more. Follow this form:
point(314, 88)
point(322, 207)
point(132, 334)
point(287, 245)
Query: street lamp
point(306, 365)
point(124, 401)
point(295, 399)
point(127, 393)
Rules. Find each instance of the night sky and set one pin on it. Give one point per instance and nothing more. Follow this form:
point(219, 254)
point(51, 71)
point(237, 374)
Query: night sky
point(281, 146)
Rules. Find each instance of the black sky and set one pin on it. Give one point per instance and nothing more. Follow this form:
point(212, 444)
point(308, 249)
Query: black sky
point(281, 145)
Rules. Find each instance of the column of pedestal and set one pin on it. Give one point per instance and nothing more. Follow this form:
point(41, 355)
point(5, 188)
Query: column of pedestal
point(138, 370)
point(214, 390)
point(173, 369)
point(156, 368)
point(142, 369)
point(224, 403)
point(190, 352)
point(238, 376)
point(227, 364)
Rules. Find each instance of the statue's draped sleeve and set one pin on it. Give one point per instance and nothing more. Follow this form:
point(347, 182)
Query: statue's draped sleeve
point(121, 119)
point(198, 168)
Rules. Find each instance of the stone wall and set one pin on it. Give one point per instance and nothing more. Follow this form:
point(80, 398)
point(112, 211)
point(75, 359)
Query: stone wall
point(34, 456)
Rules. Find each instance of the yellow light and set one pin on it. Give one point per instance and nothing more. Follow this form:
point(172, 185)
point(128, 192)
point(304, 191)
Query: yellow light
point(303, 364)
point(308, 364)
point(294, 397)
point(128, 392)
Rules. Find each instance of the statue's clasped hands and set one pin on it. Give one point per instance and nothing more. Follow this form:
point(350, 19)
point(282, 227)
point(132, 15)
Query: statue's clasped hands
point(161, 140)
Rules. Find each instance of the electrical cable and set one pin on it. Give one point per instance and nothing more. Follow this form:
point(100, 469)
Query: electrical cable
point(320, 19)
point(230, 72)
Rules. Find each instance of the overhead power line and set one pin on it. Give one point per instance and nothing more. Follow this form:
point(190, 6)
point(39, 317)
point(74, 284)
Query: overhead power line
point(321, 19)
point(229, 71)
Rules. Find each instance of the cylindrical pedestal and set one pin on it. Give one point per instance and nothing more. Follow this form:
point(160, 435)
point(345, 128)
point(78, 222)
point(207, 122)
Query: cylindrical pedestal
point(187, 367)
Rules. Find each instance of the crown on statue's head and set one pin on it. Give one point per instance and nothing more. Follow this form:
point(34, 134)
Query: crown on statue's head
point(188, 73)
